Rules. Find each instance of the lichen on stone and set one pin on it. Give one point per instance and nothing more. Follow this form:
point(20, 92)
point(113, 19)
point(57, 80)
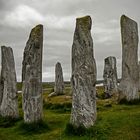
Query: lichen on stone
point(84, 22)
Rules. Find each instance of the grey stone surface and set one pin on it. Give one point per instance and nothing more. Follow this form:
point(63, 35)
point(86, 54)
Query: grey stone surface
point(110, 75)
point(139, 76)
point(32, 76)
point(52, 94)
point(9, 101)
point(59, 82)
point(83, 78)
point(1, 90)
point(130, 76)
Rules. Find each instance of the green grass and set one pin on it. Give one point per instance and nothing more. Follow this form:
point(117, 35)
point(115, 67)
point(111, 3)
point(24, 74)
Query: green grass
point(19, 86)
point(117, 122)
point(33, 128)
point(114, 122)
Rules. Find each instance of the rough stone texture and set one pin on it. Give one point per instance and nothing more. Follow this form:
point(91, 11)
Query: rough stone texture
point(32, 76)
point(130, 77)
point(110, 75)
point(139, 75)
point(1, 90)
point(9, 104)
point(83, 78)
point(59, 82)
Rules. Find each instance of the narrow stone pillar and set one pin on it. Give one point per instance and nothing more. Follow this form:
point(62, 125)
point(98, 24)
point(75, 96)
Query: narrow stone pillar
point(1, 90)
point(32, 76)
point(9, 98)
point(83, 78)
point(110, 75)
point(130, 76)
point(139, 76)
point(59, 82)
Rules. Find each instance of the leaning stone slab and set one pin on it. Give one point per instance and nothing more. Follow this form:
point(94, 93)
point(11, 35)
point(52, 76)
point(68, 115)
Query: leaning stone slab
point(9, 101)
point(130, 76)
point(32, 76)
point(110, 75)
point(83, 78)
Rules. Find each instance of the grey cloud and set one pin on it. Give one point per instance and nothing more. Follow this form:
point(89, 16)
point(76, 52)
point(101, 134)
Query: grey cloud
point(58, 18)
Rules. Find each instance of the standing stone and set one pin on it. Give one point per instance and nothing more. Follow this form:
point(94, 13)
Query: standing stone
point(32, 76)
point(83, 78)
point(1, 90)
point(139, 75)
point(59, 82)
point(130, 77)
point(9, 101)
point(110, 75)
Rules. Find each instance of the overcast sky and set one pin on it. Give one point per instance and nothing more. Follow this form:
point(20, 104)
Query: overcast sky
point(18, 17)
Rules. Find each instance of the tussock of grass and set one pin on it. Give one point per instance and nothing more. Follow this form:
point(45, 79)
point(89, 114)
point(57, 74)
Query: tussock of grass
point(97, 131)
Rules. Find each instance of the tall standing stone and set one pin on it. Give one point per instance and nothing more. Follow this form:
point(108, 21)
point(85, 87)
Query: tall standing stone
point(83, 78)
point(110, 75)
point(59, 82)
point(130, 77)
point(9, 101)
point(139, 75)
point(1, 90)
point(32, 76)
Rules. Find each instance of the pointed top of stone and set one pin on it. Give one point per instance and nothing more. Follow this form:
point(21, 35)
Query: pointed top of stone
point(36, 31)
point(85, 22)
point(4, 47)
point(110, 57)
point(125, 19)
point(58, 63)
point(37, 27)
point(8, 51)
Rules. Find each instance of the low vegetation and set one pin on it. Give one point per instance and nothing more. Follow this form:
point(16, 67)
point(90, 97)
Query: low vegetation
point(114, 121)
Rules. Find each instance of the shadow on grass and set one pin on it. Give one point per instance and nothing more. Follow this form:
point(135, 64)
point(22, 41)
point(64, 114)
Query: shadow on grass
point(33, 128)
point(6, 122)
point(132, 102)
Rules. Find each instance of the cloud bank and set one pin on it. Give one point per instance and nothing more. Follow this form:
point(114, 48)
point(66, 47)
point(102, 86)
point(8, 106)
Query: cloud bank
point(58, 17)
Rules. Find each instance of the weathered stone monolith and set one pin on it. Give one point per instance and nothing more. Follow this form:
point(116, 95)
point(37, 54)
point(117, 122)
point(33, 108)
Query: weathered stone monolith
point(9, 101)
point(110, 75)
point(130, 76)
point(139, 76)
point(1, 90)
point(83, 78)
point(32, 76)
point(59, 82)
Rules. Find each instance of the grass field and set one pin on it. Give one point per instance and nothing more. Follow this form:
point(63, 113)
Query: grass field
point(114, 122)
